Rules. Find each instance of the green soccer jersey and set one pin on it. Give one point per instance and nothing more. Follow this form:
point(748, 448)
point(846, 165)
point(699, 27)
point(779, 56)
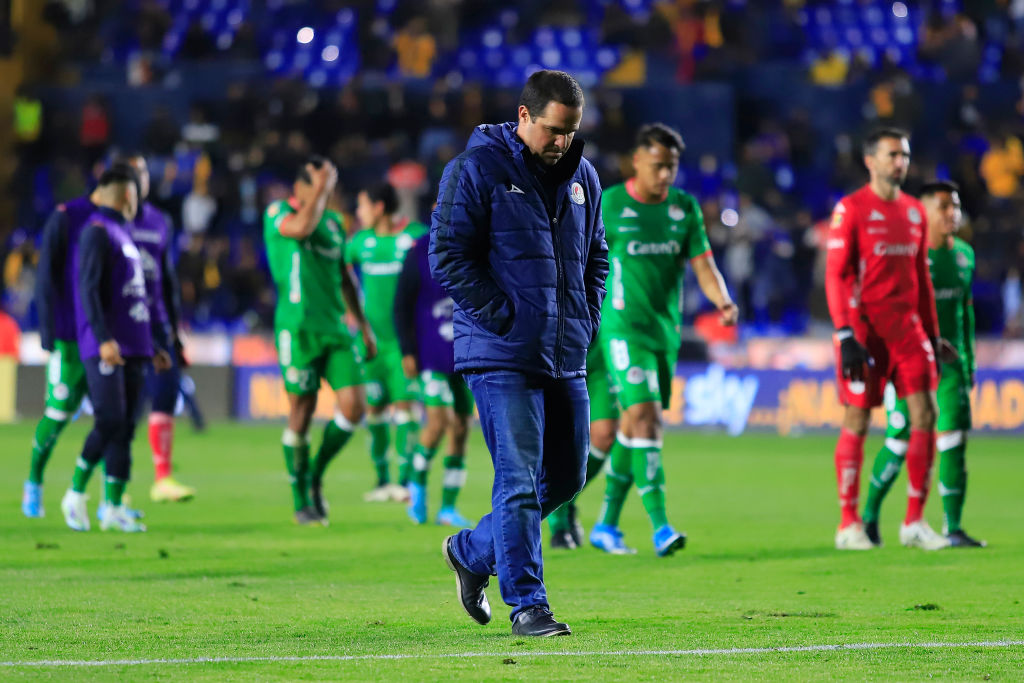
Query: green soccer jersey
point(648, 246)
point(306, 272)
point(952, 270)
point(380, 259)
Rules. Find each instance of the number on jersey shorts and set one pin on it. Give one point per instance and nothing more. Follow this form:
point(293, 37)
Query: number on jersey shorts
point(65, 380)
point(308, 357)
point(639, 374)
point(385, 381)
point(954, 403)
point(600, 387)
point(446, 390)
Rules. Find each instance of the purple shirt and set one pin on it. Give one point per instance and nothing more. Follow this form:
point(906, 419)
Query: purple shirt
point(77, 212)
point(435, 349)
point(151, 235)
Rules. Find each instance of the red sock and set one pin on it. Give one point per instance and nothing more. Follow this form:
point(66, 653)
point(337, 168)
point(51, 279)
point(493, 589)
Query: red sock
point(920, 456)
point(161, 436)
point(849, 457)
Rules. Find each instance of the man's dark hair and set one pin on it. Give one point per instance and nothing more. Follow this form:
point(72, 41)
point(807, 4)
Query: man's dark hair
point(659, 134)
point(118, 174)
point(872, 139)
point(937, 186)
point(303, 175)
point(383, 192)
point(550, 86)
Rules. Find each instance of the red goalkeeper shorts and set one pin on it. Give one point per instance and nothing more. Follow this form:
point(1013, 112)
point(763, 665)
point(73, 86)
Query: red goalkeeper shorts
point(900, 352)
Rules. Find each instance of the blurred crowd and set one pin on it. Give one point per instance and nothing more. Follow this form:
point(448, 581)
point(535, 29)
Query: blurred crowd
point(765, 209)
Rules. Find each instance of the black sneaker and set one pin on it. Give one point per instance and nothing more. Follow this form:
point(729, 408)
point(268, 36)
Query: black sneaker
point(960, 539)
point(469, 586)
point(575, 527)
point(538, 621)
point(308, 516)
point(316, 497)
point(563, 540)
point(871, 531)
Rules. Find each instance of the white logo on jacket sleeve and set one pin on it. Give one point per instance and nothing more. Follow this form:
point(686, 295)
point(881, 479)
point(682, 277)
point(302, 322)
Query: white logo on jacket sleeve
point(576, 193)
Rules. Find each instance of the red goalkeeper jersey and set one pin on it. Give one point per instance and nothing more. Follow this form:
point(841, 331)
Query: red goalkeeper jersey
point(877, 263)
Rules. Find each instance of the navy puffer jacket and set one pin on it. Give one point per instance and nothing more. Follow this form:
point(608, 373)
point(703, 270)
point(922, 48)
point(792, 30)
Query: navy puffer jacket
point(527, 284)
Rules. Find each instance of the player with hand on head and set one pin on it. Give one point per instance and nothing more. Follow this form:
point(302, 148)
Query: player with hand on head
point(305, 244)
point(653, 230)
point(117, 337)
point(378, 252)
point(883, 307)
point(951, 262)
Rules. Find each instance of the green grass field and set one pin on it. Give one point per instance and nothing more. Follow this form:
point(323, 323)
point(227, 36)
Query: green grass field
point(229, 576)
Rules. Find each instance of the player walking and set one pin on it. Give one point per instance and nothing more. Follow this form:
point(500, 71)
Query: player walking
point(423, 323)
point(951, 261)
point(305, 250)
point(653, 230)
point(883, 308)
point(378, 251)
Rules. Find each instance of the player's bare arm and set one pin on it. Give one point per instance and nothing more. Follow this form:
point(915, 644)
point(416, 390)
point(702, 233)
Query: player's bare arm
point(312, 198)
point(350, 292)
point(713, 285)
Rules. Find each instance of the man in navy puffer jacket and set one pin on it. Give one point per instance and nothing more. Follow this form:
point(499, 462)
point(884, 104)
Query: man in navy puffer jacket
point(517, 242)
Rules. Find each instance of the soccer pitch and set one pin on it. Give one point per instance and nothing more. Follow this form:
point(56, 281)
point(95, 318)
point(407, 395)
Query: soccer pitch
point(227, 588)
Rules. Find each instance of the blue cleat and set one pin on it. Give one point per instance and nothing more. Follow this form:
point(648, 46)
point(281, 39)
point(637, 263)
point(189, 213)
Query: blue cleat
point(104, 507)
point(667, 540)
point(449, 516)
point(417, 508)
point(609, 539)
point(32, 500)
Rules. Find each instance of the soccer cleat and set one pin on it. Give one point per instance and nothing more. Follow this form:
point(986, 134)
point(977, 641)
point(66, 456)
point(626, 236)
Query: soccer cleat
point(575, 527)
point(103, 508)
point(398, 494)
point(667, 540)
point(76, 515)
point(316, 499)
point(539, 621)
point(449, 516)
point(960, 539)
point(468, 586)
point(381, 494)
point(417, 503)
point(168, 490)
point(919, 535)
point(119, 518)
point(853, 537)
point(32, 500)
point(609, 539)
point(871, 529)
point(563, 540)
point(308, 516)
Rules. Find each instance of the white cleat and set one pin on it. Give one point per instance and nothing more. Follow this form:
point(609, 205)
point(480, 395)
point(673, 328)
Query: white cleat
point(919, 535)
point(377, 495)
point(75, 513)
point(119, 518)
point(398, 494)
point(852, 537)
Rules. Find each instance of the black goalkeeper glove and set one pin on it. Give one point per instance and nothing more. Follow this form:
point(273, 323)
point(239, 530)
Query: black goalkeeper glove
point(853, 356)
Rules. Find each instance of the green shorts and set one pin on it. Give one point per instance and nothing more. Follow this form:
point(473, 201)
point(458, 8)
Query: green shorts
point(639, 374)
point(602, 391)
point(308, 357)
point(65, 380)
point(446, 390)
point(954, 403)
point(385, 381)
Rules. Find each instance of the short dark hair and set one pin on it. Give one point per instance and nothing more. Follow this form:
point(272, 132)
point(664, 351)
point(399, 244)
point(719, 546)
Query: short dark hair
point(937, 186)
point(302, 175)
point(383, 192)
point(118, 173)
point(546, 86)
point(872, 138)
point(659, 134)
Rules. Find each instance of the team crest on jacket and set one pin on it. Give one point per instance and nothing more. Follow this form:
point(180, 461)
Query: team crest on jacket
point(961, 260)
point(914, 215)
point(576, 193)
point(676, 213)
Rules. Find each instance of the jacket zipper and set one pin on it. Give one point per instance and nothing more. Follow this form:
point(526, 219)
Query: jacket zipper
point(559, 290)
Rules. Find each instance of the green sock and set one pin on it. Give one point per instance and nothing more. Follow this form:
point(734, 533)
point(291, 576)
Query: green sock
point(887, 465)
point(952, 479)
point(454, 479)
point(650, 479)
point(113, 490)
point(558, 520)
point(296, 459)
point(379, 443)
point(617, 484)
point(80, 478)
point(405, 442)
point(421, 463)
point(47, 432)
point(336, 434)
point(595, 461)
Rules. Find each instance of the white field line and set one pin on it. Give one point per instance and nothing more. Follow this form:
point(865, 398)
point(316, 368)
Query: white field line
point(562, 653)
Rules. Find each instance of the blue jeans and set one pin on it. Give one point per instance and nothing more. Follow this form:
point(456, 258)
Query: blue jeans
point(537, 430)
